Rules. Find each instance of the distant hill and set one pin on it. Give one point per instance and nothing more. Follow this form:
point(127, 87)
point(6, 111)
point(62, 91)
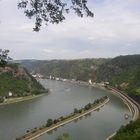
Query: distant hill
point(14, 78)
point(118, 65)
point(122, 72)
point(82, 69)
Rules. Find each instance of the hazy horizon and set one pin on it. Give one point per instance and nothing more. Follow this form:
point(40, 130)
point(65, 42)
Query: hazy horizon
point(34, 59)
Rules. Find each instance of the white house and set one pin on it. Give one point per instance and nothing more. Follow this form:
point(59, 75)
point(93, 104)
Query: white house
point(90, 82)
point(10, 94)
point(57, 79)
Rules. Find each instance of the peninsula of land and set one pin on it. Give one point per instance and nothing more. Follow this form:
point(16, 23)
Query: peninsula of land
point(53, 124)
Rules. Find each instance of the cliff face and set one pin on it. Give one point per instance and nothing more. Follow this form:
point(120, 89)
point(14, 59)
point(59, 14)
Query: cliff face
point(15, 79)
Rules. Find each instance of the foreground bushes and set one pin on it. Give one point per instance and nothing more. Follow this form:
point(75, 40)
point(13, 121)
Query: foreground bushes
point(129, 132)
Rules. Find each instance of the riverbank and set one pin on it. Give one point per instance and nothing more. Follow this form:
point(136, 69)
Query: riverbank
point(21, 99)
point(35, 133)
point(133, 106)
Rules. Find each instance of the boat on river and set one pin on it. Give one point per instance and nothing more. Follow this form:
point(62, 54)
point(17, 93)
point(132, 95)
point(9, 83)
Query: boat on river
point(126, 116)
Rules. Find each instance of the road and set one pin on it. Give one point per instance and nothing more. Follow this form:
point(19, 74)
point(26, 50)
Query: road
point(133, 106)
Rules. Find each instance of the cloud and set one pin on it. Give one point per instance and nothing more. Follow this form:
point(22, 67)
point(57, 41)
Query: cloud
point(85, 52)
point(129, 44)
point(48, 51)
point(114, 30)
point(65, 51)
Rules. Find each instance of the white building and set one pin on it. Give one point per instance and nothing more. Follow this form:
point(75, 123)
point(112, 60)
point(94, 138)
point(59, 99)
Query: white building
point(57, 79)
point(34, 75)
point(90, 82)
point(50, 77)
point(10, 94)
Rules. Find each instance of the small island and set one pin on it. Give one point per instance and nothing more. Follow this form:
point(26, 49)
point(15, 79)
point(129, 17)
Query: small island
point(53, 124)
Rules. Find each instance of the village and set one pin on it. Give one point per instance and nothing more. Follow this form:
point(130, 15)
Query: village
point(89, 82)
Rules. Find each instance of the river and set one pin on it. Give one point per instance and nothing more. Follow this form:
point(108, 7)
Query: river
point(16, 118)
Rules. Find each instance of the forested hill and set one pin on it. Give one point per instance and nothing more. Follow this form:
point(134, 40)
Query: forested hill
point(82, 69)
point(122, 71)
point(118, 65)
point(16, 79)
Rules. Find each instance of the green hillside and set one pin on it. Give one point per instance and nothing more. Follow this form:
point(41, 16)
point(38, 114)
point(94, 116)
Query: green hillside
point(122, 72)
point(129, 132)
point(15, 79)
point(81, 69)
point(118, 65)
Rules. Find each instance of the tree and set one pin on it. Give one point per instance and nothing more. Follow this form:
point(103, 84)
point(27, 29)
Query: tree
point(49, 122)
point(4, 57)
point(55, 121)
point(52, 11)
point(88, 106)
point(76, 110)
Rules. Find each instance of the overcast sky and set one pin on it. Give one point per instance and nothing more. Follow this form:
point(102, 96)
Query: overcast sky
point(115, 30)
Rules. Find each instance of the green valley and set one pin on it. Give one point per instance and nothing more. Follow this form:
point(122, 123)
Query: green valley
point(122, 72)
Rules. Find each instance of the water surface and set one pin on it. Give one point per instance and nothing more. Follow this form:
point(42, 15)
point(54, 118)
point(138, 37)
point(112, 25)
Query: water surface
point(16, 118)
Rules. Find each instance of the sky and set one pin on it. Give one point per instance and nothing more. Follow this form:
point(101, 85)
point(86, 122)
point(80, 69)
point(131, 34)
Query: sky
point(114, 31)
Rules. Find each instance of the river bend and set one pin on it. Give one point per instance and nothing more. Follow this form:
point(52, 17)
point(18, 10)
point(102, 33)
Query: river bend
point(16, 118)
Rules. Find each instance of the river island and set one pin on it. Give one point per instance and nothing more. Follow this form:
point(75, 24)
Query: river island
point(53, 124)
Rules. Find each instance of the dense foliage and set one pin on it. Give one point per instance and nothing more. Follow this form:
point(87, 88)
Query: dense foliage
point(129, 132)
point(4, 57)
point(123, 72)
point(52, 11)
point(15, 79)
point(129, 82)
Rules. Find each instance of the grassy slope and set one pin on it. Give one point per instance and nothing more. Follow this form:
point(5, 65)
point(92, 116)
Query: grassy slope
point(129, 81)
point(19, 84)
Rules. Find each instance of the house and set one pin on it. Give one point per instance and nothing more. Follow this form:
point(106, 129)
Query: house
point(10, 94)
point(90, 82)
